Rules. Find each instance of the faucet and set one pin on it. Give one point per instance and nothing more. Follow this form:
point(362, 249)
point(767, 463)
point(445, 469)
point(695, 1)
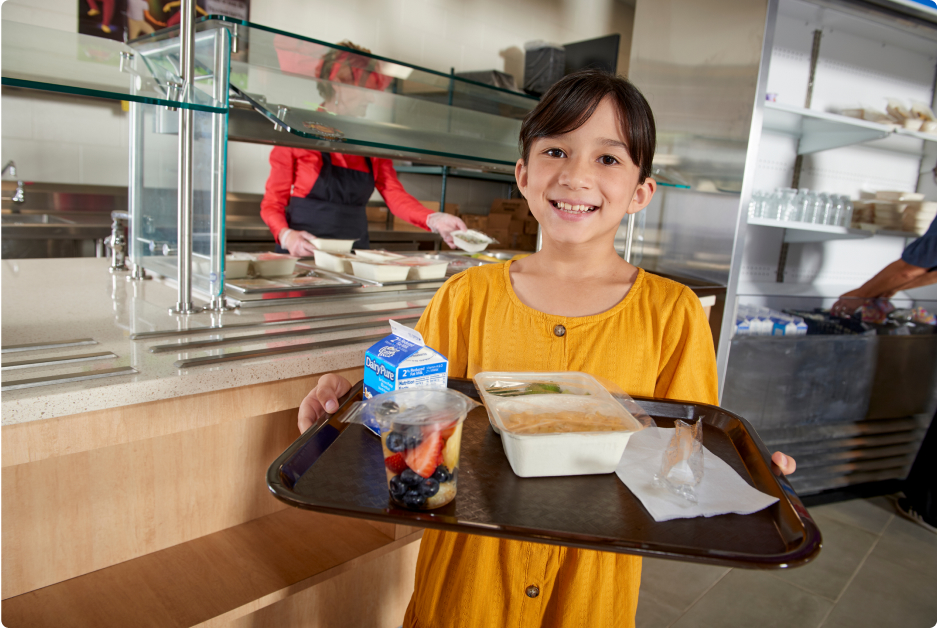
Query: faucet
point(19, 197)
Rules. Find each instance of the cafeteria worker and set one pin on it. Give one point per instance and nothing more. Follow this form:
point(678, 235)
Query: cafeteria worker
point(316, 194)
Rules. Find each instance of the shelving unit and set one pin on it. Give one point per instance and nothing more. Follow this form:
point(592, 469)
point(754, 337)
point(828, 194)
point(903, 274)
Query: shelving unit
point(800, 232)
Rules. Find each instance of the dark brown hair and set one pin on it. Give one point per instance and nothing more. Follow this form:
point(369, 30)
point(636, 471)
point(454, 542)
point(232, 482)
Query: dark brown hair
point(574, 98)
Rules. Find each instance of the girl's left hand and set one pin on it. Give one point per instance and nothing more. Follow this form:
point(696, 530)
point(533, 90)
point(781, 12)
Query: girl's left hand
point(782, 464)
point(444, 224)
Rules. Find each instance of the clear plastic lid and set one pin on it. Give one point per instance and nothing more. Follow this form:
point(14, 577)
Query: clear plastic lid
point(532, 402)
point(412, 406)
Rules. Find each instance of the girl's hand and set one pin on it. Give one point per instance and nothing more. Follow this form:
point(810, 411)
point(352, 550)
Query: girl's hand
point(297, 243)
point(322, 399)
point(782, 464)
point(444, 224)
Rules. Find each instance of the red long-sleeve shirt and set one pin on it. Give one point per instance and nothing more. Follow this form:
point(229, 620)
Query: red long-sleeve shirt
point(293, 172)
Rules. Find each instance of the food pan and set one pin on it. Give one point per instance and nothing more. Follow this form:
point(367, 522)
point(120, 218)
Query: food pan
point(338, 468)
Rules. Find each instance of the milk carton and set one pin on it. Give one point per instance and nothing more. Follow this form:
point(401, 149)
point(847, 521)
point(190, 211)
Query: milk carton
point(402, 360)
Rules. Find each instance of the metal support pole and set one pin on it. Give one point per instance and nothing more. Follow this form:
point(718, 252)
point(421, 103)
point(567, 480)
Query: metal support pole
point(186, 122)
point(629, 236)
point(219, 159)
point(135, 193)
point(442, 198)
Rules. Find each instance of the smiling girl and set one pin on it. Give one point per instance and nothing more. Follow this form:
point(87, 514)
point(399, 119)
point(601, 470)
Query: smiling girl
point(575, 305)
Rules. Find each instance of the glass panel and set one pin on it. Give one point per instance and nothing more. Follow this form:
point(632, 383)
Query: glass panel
point(335, 96)
point(72, 63)
point(155, 171)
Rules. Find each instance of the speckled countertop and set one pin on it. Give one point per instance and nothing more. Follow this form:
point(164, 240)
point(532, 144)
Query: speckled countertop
point(46, 300)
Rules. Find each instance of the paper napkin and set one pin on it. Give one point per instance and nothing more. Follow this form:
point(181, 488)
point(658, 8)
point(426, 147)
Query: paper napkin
point(721, 491)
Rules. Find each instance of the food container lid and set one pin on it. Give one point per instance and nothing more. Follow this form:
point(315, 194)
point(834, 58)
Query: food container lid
point(563, 399)
point(412, 406)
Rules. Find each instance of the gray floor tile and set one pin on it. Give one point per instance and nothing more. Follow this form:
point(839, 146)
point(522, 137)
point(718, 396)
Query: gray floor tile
point(746, 598)
point(869, 514)
point(676, 584)
point(885, 594)
point(653, 614)
point(844, 547)
point(911, 547)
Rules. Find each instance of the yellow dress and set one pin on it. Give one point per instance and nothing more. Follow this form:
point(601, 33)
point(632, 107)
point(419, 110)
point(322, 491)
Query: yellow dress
point(656, 342)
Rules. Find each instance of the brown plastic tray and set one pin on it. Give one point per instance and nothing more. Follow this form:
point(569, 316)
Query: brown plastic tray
point(338, 468)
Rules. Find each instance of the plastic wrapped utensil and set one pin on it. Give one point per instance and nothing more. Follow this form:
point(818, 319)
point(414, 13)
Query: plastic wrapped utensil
point(681, 468)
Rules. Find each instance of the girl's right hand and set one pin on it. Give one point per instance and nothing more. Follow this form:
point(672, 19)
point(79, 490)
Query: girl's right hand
point(297, 242)
point(322, 399)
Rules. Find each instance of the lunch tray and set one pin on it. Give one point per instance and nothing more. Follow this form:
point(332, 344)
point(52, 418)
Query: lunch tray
point(338, 468)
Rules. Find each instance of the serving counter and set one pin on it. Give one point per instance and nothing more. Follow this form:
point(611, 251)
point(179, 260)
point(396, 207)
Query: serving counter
point(112, 512)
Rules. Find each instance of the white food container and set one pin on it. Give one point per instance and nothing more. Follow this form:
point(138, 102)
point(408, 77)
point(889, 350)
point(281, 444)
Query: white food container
point(237, 265)
point(332, 246)
point(337, 262)
point(459, 237)
point(558, 454)
point(421, 268)
point(274, 264)
point(377, 271)
point(369, 255)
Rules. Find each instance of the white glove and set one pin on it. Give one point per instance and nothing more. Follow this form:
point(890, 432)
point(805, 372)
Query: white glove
point(444, 224)
point(296, 242)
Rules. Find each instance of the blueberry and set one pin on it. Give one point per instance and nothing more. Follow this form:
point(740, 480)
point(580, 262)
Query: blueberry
point(410, 477)
point(397, 487)
point(413, 499)
point(428, 487)
point(396, 442)
point(442, 474)
point(389, 407)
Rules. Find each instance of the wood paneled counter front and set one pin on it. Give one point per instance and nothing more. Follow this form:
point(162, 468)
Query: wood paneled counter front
point(140, 499)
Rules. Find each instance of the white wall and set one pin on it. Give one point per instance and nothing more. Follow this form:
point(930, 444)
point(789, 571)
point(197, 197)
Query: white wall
point(89, 142)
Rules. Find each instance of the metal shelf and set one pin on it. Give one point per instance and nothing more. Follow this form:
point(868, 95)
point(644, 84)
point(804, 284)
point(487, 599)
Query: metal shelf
point(819, 131)
point(800, 232)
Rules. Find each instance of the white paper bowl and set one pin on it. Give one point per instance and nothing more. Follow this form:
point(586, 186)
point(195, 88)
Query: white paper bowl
point(273, 264)
point(368, 255)
point(336, 262)
point(333, 246)
point(379, 272)
point(571, 453)
point(236, 268)
point(421, 268)
point(471, 247)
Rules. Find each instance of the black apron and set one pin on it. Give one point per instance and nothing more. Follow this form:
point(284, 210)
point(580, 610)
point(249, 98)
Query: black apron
point(335, 206)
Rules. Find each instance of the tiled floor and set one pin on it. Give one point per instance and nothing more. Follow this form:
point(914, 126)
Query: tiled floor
point(876, 569)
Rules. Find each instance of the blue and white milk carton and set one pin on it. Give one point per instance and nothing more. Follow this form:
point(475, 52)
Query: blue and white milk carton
point(402, 360)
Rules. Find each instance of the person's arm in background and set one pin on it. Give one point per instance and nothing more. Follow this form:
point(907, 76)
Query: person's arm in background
point(402, 204)
point(926, 279)
point(916, 261)
point(886, 283)
point(277, 196)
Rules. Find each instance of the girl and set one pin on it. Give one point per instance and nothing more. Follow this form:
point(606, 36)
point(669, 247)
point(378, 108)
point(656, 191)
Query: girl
point(575, 305)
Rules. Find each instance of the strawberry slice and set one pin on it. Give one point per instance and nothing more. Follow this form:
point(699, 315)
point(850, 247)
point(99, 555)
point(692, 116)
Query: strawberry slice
point(449, 430)
point(395, 463)
point(422, 459)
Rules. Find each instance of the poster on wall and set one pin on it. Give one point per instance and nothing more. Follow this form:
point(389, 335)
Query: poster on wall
point(123, 20)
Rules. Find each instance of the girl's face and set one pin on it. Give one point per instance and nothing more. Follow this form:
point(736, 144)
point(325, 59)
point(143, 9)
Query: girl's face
point(580, 185)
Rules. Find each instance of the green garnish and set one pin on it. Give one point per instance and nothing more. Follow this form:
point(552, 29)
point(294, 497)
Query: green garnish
point(534, 388)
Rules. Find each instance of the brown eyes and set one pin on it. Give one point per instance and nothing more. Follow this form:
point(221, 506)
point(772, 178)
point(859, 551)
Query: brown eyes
point(605, 160)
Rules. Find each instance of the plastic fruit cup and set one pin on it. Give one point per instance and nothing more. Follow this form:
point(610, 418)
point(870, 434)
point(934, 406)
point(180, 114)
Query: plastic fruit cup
point(422, 463)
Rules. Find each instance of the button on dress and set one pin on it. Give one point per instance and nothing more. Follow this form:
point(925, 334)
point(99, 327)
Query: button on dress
point(656, 342)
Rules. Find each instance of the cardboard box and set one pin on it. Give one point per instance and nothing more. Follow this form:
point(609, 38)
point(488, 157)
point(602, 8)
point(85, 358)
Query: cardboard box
point(451, 208)
point(516, 207)
point(526, 243)
point(376, 214)
point(499, 221)
point(516, 227)
point(502, 236)
point(530, 226)
point(476, 222)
